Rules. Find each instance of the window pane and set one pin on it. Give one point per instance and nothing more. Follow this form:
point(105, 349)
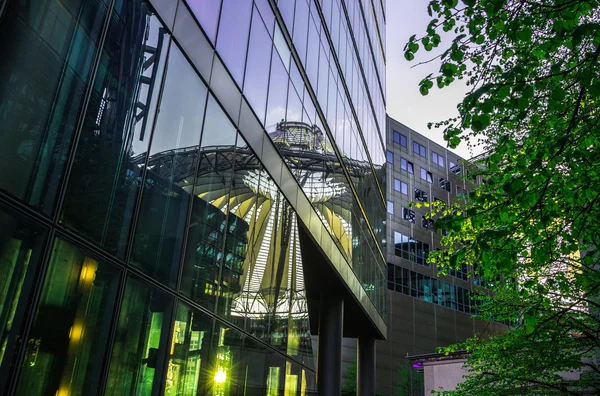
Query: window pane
point(170, 172)
point(257, 73)
point(276, 103)
point(233, 36)
point(404, 188)
point(140, 342)
point(188, 372)
point(390, 207)
point(208, 219)
point(20, 248)
point(390, 157)
point(207, 12)
point(68, 340)
point(45, 71)
point(104, 180)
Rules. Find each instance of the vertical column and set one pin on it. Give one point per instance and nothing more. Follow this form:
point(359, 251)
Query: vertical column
point(365, 381)
point(329, 368)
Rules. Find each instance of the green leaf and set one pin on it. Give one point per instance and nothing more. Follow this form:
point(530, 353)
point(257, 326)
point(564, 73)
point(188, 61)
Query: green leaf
point(457, 56)
point(530, 322)
point(413, 47)
point(480, 122)
point(594, 90)
point(409, 56)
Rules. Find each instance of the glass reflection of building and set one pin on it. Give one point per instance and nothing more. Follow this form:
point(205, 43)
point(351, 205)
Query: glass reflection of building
point(190, 192)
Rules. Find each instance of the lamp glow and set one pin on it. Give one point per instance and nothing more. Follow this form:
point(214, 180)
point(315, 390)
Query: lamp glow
point(220, 376)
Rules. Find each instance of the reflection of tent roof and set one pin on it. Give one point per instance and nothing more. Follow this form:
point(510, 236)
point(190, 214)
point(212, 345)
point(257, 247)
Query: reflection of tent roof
point(272, 280)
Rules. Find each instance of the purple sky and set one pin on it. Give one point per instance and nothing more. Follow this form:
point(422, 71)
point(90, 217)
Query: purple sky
point(404, 102)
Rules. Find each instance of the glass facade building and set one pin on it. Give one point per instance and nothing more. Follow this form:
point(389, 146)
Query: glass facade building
point(188, 190)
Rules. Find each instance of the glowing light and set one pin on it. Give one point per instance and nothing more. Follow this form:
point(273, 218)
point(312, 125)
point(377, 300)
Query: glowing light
point(76, 333)
point(220, 376)
point(62, 392)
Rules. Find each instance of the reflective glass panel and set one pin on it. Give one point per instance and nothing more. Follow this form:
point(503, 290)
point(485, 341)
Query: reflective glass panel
point(68, 341)
point(232, 39)
point(188, 371)
point(207, 12)
point(20, 248)
point(113, 146)
point(170, 168)
point(45, 69)
point(257, 73)
point(141, 341)
point(204, 247)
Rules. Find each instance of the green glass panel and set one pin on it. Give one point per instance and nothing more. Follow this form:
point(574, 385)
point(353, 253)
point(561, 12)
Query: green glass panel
point(45, 67)
point(141, 341)
point(188, 369)
point(104, 180)
point(20, 247)
point(66, 348)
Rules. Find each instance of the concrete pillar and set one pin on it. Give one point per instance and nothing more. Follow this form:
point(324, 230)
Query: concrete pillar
point(329, 366)
point(365, 381)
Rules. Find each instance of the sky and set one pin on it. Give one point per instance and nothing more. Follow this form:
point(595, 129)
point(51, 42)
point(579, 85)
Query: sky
point(404, 102)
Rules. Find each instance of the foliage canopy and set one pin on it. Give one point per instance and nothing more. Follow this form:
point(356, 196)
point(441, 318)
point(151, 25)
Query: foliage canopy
point(532, 229)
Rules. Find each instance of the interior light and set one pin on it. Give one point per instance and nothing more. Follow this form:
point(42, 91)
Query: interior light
point(220, 376)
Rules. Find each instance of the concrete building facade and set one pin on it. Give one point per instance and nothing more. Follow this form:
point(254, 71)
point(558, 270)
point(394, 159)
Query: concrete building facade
point(425, 309)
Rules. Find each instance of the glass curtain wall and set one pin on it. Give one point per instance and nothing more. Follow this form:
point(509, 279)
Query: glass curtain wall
point(174, 262)
point(146, 249)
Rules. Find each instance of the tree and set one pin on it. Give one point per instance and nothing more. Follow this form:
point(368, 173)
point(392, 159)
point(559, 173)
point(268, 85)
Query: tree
point(411, 381)
point(349, 388)
point(532, 229)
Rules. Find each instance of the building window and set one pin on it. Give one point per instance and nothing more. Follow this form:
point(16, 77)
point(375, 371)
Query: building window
point(462, 273)
point(419, 149)
point(427, 223)
point(400, 186)
point(461, 192)
point(423, 287)
point(443, 202)
point(408, 215)
point(455, 168)
point(411, 249)
point(400, 139)
point(421, 196)
point(428, 176)
point(390, 157)
point(471, 175)
point(437, 159)
point(390, 207)
point(407, 165)
point(445, 184)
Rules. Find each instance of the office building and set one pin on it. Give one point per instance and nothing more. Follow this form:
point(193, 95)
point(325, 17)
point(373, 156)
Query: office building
point(191, 192)
point(425, 309)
